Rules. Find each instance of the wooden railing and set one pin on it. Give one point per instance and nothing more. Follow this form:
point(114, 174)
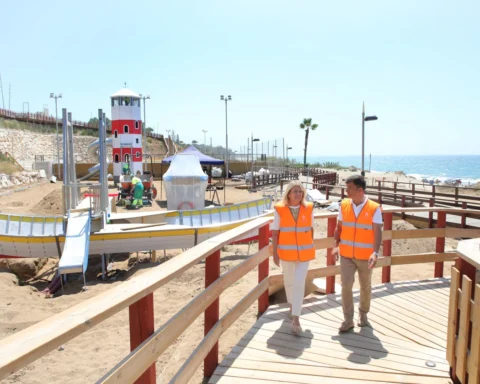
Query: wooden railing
point(413, 195)
point(148, 342)
point(463, 334)
point(41, 118)
point(273, 178)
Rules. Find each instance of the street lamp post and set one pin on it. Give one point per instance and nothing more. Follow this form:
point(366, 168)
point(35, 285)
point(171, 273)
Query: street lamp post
point(147, 97)
point(226, 99)
point(287, 152)
point(204, 140)
point(56, 97)
point(364, 119)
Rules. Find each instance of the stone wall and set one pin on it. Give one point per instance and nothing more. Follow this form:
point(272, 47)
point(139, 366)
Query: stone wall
point(24, 145)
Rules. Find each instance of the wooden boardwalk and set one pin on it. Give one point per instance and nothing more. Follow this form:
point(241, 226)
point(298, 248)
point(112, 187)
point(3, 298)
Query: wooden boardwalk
point(406, 345)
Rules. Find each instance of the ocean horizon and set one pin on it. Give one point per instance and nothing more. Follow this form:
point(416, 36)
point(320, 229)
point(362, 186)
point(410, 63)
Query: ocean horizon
point(441, 167)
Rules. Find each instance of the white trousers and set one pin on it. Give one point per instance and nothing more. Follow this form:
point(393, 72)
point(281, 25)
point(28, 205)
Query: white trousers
point(294, 275)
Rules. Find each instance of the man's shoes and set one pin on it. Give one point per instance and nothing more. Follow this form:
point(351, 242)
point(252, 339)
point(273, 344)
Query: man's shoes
point(363, 320)
point(346, 326)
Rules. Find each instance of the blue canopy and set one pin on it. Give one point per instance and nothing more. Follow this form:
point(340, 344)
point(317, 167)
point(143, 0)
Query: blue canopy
point(204, 159)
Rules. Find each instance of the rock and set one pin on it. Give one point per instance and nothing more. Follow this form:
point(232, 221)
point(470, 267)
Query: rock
point(26, 268)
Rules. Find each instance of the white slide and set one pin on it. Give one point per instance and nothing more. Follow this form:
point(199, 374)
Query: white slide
point(77, 243)
point(92, 151)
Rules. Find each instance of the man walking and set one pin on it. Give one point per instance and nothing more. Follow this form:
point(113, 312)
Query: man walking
point(357, 241)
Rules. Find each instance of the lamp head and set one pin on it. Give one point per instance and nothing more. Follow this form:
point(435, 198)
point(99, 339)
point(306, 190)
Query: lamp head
point(222, 97)
point(229, 97)
point(51, 95)
point(59, 96)
point(371, 118)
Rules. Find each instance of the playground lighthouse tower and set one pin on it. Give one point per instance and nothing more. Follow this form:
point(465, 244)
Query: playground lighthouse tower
point(126, 133)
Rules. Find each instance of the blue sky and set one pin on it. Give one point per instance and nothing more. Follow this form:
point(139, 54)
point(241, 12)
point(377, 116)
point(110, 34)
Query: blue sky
point(414, 63)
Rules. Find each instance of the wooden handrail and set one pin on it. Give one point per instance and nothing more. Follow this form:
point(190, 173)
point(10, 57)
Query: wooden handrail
point(22, 348)
point(132, 366)
point(26, 346)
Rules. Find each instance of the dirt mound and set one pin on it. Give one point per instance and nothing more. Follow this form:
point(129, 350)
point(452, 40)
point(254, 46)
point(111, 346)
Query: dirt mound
point(52, 204)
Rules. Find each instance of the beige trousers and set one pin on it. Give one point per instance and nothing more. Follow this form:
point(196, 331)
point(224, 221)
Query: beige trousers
point(294, 275)
point(348, 267)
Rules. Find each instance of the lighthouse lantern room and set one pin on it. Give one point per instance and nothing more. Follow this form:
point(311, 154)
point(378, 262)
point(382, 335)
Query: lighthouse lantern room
point(126, 133)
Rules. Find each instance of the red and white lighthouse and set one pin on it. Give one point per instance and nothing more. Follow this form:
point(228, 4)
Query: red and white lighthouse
point(126, 133)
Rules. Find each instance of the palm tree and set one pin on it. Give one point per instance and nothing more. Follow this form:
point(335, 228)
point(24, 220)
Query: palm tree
point(307, 125)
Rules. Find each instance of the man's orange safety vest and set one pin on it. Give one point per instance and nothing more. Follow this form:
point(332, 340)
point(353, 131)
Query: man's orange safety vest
point(357, 237)
point(295, 240)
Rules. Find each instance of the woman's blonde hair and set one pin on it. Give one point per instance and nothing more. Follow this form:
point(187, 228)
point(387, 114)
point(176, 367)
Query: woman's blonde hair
point(290, 186)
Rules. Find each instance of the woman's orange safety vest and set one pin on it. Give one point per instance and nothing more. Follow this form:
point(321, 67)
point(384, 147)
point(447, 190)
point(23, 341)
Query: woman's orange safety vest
point(295, 241)
point(357, 237)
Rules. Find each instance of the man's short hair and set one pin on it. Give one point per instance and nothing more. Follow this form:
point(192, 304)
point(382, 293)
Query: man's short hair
point(357, 180)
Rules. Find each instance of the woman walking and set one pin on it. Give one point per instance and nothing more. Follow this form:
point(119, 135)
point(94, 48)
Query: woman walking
point(292, 235)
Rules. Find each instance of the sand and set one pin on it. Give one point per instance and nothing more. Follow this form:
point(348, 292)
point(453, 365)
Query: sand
point(87, 357)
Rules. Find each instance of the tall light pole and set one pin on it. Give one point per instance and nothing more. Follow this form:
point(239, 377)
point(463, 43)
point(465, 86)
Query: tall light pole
point(204, 140)
point(56, 97)
point(252, 154)
point(365, 118)
point(147, 97)
point(226, 99)
point(287, 152)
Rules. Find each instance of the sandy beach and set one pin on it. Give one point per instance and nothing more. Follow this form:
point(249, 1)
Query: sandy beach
point(87, 357)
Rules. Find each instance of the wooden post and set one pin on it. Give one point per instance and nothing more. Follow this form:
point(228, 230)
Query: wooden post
point(343, 193)
point(379, 185)
point(141, 327)
point(263, 267)
point(330, 285)
point(327, 192)
point(431, 203)
point(456, 196)
point(464, 215)
point(387, 245)
point(433, 190)
point(395, 191)
point(380, 198)
point(440, 243)
point(212, 313)
point(413, 193)
point(403, 206)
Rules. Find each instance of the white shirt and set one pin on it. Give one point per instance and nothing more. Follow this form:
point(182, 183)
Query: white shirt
point(377, 216)
point(276, 218)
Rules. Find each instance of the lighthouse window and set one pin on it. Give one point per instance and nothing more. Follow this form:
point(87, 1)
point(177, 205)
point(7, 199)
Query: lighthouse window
point(116, 159)
point(136, 141)
point(125, 129)
point(115, 134)
point(136, 124)
point(138, 154)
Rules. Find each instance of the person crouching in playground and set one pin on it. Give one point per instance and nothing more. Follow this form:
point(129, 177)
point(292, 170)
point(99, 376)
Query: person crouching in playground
point(293, 247)
point(137, 187)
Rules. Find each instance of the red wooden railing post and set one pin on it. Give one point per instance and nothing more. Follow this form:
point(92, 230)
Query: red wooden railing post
point(387, 245)
point(440, 243)
point(141, 327)
point(330, 285)
point(212, 313)
point(263, 267)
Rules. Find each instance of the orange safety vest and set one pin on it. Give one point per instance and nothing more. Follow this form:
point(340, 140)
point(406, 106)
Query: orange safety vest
point(357, 238)
point(295, 241)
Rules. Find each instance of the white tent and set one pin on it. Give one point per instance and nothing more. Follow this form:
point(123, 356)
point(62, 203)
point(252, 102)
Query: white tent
point(185, 183)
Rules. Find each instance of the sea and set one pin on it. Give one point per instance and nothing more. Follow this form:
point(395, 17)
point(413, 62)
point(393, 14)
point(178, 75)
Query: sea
point(434, 167)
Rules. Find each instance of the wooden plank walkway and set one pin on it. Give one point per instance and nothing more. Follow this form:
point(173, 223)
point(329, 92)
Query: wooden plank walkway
point(406, 345)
